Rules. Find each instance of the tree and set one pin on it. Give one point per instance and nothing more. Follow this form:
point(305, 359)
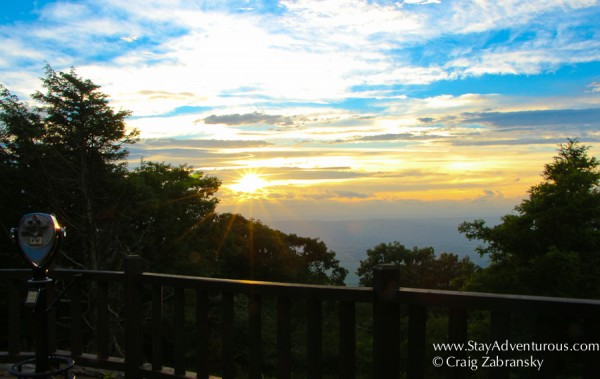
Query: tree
point(168, 214)
point(550, 246)
point(20, 135)
point(66, 156)
point(419, 267)
point(319, 265)
point(248, 249)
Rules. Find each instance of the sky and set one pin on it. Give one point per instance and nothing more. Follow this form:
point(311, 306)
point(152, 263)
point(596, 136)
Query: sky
point(332, 109)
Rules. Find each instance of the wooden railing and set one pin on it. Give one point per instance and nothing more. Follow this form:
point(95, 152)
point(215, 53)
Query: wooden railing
point(131, 314)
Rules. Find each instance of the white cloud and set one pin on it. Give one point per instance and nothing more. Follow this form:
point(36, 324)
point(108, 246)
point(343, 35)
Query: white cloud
point(157, 56)
point(350, 18)
point(594, 86)
point(421, 2)
point(470, 16)
point(130, 38)
point(311, 51)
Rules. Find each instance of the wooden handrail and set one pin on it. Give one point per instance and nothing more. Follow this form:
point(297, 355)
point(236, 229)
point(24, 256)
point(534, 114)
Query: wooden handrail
point(141, 288)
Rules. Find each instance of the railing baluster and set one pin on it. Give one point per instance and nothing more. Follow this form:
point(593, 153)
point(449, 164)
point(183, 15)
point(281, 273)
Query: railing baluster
point(202, 336)
point(591, 358)
point(51, 318)
point(347, 340)
point(546, 331)
point(179, 320)
point(457, 333)
point(385, 298)
point(284, 339)
point(500, 331)
point(14, 318)
point(386, 329)
point(76, 321)
point(228, 337)
point(417, 328)
point(134, 331)
point(102, 329)
point(157, 327)
point(255, 337)
point(314, 344)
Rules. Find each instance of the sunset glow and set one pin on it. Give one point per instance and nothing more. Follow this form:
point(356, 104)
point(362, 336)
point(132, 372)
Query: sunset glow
point(336, 108)
point(249, 183)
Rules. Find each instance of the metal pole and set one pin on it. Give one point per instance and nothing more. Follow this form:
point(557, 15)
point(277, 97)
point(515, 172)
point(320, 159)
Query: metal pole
point(40, 282)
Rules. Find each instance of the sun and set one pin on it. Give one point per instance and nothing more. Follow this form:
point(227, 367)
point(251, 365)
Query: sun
point(249, 183)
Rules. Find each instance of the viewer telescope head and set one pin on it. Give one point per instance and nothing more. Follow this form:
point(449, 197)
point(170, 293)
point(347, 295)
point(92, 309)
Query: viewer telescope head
point(38, 237)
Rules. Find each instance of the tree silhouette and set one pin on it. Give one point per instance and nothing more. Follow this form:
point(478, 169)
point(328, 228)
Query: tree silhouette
point(550, 246)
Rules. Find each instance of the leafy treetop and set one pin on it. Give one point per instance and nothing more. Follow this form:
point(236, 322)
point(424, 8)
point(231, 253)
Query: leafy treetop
point(550, 246)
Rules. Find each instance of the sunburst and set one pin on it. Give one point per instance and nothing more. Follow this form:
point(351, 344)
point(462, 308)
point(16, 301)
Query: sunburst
point(250, 183)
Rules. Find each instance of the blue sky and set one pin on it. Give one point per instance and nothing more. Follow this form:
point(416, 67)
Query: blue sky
point(333, 109)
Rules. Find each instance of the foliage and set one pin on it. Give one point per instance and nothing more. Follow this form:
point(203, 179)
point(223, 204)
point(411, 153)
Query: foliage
point(168, 213)
point(550, 245)
point(419, 267)
point(65, 156)
point(248, 249)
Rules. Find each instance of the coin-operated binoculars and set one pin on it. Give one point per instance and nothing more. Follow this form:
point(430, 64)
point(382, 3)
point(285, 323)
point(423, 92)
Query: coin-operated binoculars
point(38, 237)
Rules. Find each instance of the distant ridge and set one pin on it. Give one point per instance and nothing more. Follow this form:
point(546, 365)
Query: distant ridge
point(351, 239)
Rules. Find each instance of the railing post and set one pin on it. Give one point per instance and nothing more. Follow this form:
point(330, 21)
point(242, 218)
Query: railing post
point(386, 328)
point(457, 333)
point(14, 318)
point(347, 340)
point(76, 321)
point(134, 266)
point(284, 338)
point(417, 331)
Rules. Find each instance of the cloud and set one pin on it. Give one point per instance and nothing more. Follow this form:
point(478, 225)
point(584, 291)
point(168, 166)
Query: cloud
point(298, 51)
point(594, 87)
point(587, 119)
point(341, 173)
point(483, 15)
point(407, 75)
point(166, 95)
point(398, 137)
point(367, 81)
point(350, 194)
point(421, 2)
point(505, 142)
point(167, 143)
point(333, 194)
point(489, 195)
point(285, 175)
point(130, 39)
point(196, 153)
point(250, 118)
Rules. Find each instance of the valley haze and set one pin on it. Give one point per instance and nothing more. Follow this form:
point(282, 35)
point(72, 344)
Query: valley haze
point(350, 239)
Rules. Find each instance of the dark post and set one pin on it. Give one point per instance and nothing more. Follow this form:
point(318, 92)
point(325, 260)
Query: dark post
point(592, 332)
point(255, 337)
point(14, 318)
point(40, 281)
point(134, 266)
point(457, 333)
point(386, 328)
point(347, 340)
point(314, 338)
point(284, 339)
point(500, 331)
point(417, 331)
